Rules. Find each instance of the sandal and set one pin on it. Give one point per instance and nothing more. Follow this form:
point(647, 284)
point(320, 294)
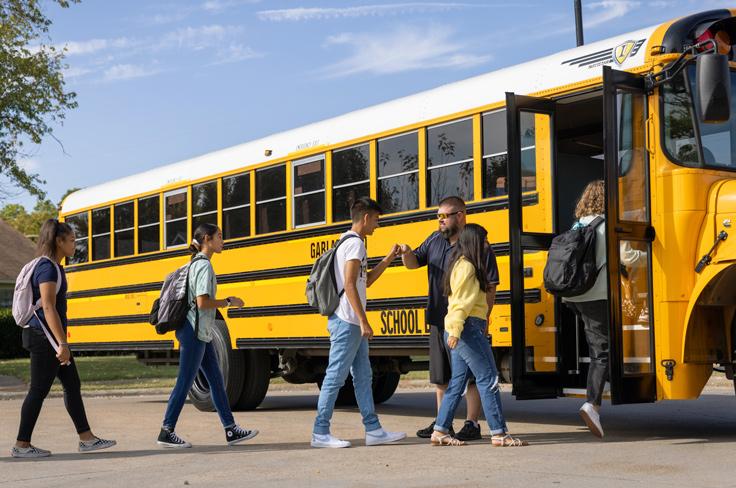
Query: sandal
point(439, 439)
point(507, 440)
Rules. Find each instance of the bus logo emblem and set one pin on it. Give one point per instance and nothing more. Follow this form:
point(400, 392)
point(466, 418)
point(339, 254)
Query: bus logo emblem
point(623, 51)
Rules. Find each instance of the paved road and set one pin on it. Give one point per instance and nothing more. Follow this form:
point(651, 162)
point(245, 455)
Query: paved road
point(668, 444)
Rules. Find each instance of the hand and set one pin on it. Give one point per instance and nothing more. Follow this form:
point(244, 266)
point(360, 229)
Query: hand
point(366, 330)
point(64, 354)
point(451, 342)
point(236, 302)
point(395, 251)
point(404, 249)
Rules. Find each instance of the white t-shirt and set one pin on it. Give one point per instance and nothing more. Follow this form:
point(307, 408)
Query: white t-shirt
point(353, 248)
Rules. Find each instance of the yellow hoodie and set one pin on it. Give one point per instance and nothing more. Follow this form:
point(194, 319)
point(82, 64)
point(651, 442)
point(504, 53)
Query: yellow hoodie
point(466, 299)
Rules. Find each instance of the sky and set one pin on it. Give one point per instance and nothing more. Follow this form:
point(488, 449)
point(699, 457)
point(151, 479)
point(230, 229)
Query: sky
point(162, 81)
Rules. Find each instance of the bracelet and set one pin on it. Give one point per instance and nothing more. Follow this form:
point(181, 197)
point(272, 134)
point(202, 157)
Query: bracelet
point(63, 344)
point(227, 300)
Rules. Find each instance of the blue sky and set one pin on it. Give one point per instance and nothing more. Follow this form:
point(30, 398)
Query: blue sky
point(162, 81)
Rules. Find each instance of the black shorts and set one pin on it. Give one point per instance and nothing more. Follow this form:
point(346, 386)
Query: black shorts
point(439, 358)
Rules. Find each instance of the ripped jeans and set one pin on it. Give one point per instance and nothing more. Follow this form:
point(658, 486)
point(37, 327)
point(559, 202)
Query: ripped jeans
point(473, 353)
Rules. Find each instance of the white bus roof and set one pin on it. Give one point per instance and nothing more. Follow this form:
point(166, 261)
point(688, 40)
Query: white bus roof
point(567, 67)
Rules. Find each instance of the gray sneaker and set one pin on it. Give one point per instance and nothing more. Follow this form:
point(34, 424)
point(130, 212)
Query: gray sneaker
point(29, 452)
point(95, 445)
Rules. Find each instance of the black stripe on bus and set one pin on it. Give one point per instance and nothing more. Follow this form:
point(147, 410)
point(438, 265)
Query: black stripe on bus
point(533, 295)
point(123, 346)
point(380, 342)
point(301, 234)
point(500, 249)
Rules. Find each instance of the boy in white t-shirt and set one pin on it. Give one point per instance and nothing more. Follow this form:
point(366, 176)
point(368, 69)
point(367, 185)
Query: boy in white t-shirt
point(350, 332)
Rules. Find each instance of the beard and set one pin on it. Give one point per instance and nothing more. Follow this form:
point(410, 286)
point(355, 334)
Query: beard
point(448, 232)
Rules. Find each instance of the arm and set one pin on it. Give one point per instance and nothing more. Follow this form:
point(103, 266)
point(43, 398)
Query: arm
point(205, 302)
point(408, 258)
point(352, 270)
point(376, 272)
point(464, 289)
point(48, 303)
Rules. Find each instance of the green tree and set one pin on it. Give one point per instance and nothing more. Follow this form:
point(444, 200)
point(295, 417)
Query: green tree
point(29, 224)
point(32, 88)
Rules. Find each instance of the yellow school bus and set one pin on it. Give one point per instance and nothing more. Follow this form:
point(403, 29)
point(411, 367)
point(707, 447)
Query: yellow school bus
point(640, 111)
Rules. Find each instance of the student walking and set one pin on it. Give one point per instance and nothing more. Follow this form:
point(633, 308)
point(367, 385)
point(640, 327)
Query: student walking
point(465, 334)
point(350, 332)
point(195, 347)
point(45, 339)
point(434, 253)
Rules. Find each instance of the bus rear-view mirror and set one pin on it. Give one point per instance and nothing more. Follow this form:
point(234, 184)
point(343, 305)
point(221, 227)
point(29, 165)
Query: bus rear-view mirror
point(714, 87)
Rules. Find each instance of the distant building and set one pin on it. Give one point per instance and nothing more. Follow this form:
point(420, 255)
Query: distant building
point(15, 251)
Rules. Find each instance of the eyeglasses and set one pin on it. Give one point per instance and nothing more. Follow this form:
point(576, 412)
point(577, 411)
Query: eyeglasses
point(445, 216)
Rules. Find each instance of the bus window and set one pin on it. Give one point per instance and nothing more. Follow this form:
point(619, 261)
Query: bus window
point(271, 199)
point(124, 229)
point(204, 204)
point(78, 222)
point(148, 224)
point(494, 154)
point(309, 191)
point(350, 179)
point(175, 225)
point(398, 171)
point(450, 161)
point(101, 234)
point(236, 206)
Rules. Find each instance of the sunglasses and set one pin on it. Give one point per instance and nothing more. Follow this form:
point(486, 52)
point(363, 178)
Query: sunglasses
point(445, 216)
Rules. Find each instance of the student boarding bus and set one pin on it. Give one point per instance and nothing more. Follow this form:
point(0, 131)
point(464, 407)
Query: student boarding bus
point(649, 112)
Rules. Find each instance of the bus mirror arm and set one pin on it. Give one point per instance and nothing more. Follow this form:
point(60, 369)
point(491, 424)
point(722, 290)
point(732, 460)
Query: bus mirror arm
point(653, 80)
point(707, 258)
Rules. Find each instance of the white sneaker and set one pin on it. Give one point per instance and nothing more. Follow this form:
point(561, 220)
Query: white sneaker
point(380, 436)
point(327, 440)
point(592, 419)
point(29, 452)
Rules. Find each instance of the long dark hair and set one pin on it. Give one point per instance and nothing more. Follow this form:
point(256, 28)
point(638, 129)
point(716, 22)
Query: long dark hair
point(50, 230)
point(471, 245)
point(200, 232)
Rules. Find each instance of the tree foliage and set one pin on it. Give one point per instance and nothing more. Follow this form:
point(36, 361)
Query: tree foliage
point(29, 224)
point(32, 89)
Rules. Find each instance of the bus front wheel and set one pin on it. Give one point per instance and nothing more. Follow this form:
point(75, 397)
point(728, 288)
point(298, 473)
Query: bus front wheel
point(384, 386)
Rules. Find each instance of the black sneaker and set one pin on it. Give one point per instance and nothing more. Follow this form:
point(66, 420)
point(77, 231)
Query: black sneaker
point(426, 432)
point(168, 438)
point(469, 432)
point(236, 434)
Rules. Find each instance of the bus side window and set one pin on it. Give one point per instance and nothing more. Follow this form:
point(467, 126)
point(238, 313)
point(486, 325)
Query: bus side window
point(309, 191)
point(175, 224)
point(236, 206)
point(101, 234)
point(271, 199)
point(204, 204)
point(495, 156)
point(450, 161)
point(350, 179)
point(148, 224)
point(124, 229)
point(78, 222)
point(398, 173)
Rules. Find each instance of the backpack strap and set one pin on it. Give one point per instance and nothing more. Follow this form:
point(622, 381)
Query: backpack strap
point(342, 292)
point(36, 305)
point(186, 287)
point(596, 222)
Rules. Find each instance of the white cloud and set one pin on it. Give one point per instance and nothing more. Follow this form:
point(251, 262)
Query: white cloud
point(235, 53)
point(608, 10)
point(30, 165)
point(75, 48)
point(198, 38)
point(217, 6)
point(318, 13)
point(404, 49)
point(126, 72)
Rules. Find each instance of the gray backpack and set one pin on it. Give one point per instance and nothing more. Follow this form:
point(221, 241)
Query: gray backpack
point(23, 306)
point(169, 311)
point(321, 289)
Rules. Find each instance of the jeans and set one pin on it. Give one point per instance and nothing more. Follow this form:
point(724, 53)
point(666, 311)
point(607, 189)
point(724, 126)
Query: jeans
point(595, 320)
point(348, 353)
point(473, 352)
point(45, 367)
point(194, 355)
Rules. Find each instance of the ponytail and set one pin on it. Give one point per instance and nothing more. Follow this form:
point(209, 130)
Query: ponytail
point(202, 231)
point(50, 230)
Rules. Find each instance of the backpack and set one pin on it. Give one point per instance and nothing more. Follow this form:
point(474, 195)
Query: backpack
point(321, 288)
point(571, 267)
point(23, 307)
point(169, 310)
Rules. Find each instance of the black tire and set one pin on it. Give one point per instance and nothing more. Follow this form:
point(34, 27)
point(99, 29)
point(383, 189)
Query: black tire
point(384, 386)
point(255, 380)
point(232, 366)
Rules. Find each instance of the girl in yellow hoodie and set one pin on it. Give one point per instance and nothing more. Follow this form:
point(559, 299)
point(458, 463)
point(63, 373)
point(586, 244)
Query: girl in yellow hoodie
point(466, 335)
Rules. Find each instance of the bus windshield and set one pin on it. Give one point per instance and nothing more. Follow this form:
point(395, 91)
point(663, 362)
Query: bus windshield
point(682, 136)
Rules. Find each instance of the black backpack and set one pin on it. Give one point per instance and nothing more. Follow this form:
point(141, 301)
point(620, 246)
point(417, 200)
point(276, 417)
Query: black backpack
point(571, 268)
point(169, 311)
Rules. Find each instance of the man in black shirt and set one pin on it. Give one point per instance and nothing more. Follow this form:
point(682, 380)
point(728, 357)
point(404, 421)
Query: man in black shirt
point(435, 253)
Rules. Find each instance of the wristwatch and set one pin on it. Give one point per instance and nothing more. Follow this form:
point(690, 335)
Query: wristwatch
point(227, 300)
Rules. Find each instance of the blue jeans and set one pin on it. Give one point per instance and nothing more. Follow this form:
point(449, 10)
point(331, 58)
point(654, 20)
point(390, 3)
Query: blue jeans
point(473, 352)
point(348, 353)
point(193, 355)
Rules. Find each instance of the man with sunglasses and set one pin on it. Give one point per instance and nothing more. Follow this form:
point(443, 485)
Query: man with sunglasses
point(435, 253)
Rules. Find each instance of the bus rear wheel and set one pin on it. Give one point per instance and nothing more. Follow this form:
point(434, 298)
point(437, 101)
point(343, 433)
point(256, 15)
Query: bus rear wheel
point(232, 365)
point(256, 379)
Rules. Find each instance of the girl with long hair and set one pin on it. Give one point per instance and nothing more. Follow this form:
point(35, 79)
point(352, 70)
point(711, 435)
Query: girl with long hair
point(465, 334)
point(196, 351)
point(44, 336)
